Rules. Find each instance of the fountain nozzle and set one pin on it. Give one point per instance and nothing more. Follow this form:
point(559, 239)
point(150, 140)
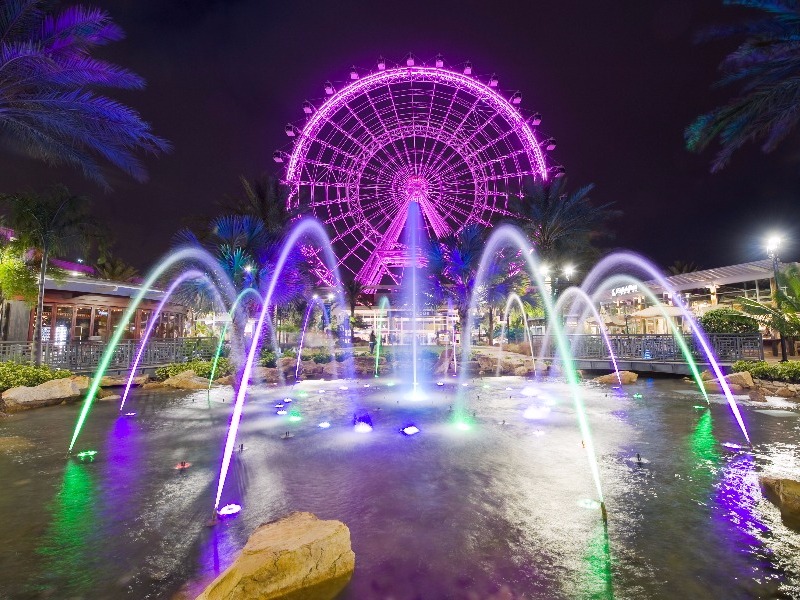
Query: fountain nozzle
point(603, 512)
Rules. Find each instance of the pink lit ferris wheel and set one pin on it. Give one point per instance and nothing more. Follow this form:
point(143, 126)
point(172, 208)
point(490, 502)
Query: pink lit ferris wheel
point(445, 139)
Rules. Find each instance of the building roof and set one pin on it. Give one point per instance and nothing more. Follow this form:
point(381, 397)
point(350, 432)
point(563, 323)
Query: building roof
point(87, 285)
point(752, 271)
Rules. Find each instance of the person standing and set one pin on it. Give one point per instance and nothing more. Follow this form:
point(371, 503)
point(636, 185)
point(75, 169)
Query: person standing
point(372, 340)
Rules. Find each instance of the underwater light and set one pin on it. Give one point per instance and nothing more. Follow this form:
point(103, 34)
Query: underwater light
point(410, 430)
point(732, 445)
point(287, 400)
point(294, 417)
point(324, 425)
point(508, 389)
point(343, 387)
point(536, 412)
point(390, 383)
point(229, 510)
point(637, 396)
point(87, 454)
point(463, 426)
point(281, 412)
point(538, 433)
point(698, 407)
point(303, 394)
point(183, 465)
point(465, 384)
point(440, 383)
point(130, 414)
point(589, 504)
point(528, 391)
point(279, 406)
point(362, 427)
point(366, 385)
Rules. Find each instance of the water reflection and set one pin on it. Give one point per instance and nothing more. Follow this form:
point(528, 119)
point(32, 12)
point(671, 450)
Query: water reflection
point(600, 584)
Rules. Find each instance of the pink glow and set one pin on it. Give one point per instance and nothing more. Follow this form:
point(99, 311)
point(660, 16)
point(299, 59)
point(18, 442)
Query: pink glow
point(445, 140)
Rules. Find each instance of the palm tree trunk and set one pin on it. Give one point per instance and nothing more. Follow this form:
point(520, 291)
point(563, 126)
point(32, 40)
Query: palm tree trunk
point(491, 324)
point(37, 332)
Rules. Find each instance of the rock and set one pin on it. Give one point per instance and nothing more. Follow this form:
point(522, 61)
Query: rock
point(110, 398)
point(226, 380)
point(785, 494)
point(122, 380)
point(296, 558)
point(742, 379)
point(785, 392)
point(713, 386)
point(187, 380)
point(14, 443)
point(706, 375)
point(48, 393)
point(627, 377)
point(264, 375)
point(756, 395)
point(83, 382)
point(153, 385)
point(523, 371)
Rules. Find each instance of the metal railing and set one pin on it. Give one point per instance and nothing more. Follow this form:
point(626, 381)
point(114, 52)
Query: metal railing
point(661, 348)
point(82, 357)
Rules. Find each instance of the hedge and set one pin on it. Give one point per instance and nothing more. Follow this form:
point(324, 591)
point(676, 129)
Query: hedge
point(728, 320)
point(201, 368)
point(788, 371)
point(16, 374)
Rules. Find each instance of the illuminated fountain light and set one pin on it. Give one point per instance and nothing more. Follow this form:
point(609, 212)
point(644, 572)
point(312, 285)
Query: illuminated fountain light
point(732, 445)
point(508, 389)
point(287, 400)
point(281, 412)
point(279, 405)
point(183, 465)
point(229, 510)
point(535, 413)
point(294, 416)
point(588, 504)
point(637, 395)
point(465, 384)
point(410, 430)
point(324, 425)
point(698, 407)
point(130, 414)
point(362, 427)
point(343, 387)
point(86, 455)
point(529, 391)
point(390, 383)
point(538, 433)
point(440, 383)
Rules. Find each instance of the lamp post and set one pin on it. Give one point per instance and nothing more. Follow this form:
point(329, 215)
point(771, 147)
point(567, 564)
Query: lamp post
point(773, 243)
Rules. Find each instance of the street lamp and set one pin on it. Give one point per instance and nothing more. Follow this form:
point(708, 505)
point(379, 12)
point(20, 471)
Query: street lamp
point(569, 271)
point(773, 244)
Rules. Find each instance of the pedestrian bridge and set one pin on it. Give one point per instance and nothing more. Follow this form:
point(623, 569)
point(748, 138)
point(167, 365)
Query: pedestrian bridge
point(650, 353)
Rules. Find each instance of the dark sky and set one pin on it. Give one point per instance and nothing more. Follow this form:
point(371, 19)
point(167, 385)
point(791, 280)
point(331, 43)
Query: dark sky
point(616, 83)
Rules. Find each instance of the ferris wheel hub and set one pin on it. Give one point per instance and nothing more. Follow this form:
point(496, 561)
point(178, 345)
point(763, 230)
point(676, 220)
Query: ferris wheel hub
point(416, 188)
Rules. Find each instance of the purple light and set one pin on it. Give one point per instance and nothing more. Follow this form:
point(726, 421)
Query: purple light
point(130, 414)
point(410, 430)
point(374, 169)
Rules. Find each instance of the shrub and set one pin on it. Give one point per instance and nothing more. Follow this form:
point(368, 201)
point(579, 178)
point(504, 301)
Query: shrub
point(321, 357)
point(268, 359)
point(728, 320)
point(788, 371)
point(201, 368)
point(16, 374)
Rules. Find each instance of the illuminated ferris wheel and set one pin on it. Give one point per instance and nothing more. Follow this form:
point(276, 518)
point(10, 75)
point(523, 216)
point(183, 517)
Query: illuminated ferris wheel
point(442, 138)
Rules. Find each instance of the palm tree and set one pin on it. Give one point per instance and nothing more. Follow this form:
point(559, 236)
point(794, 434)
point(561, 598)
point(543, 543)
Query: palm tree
point(783, 314)
point(354, 288)
point(766, 66)
point(453, 263)
point(680, 267)
point(112, 268)
point(48, 107)
point(560, 224)
point(265, 198)
point(52, 223)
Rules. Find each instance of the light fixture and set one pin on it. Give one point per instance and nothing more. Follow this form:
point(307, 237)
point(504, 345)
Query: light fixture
point(381, 64)
point(229, 510)
point(439, 61)
point(773, 243)
point(353, 72)
point(569, 271)
point(467, 68)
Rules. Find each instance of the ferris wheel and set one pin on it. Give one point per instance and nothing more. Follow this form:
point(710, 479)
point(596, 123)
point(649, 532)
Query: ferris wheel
point(443, 138)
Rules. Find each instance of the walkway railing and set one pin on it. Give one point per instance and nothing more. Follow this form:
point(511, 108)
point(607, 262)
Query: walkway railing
point(83, 357)
point(661, 348)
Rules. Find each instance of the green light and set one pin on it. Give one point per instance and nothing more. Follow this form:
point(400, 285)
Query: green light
point(390, 384)
point(303, 394)
point(463, 426)
point(87, 454)
point(294, 416)
point(637, 396)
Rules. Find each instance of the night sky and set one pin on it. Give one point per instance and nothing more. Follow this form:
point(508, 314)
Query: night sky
point(616, 83)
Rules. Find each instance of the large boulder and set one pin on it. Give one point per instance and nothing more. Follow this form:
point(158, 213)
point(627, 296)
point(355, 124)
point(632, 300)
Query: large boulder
point(627, 377)
point(264, 375)
point(785, 494)
point(121, 380)
point(48, 393)
point(297, 558)
point(187, 380)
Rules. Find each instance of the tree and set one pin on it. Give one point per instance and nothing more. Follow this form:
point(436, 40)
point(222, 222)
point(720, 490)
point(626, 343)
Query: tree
point(728, 320)
point(264, 198)
point(783, 315)
point(354, 288)
point(52, 223)
point(112, 268)
point(17, 276)
point(49, 109)
point(766, 66)
point(680, 267)
point(562, 225)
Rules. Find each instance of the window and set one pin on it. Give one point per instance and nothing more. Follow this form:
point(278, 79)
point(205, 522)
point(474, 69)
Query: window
point(63, 327)
point(100, 324)
point(115, 318)
point(47, 322)
point(83, 321)
point(144, 318)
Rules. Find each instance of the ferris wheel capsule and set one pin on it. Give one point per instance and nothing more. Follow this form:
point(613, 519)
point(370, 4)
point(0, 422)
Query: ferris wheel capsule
point(549, 144)
point(329, 89)
point(558, 172)
point(493, 81)
point(290, 130)
point(516, 98)
point(536, 120)
point(381, 63)
point(410, 60)
point(467, 68)
point(277, 156)
point(353, 72)
point(439, 61)
point(308, 108)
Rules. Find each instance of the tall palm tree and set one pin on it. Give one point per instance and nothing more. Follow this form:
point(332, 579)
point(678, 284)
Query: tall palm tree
point(766, 66)
point(562, 225)
point(783, 314)
point(353, 288)
point(264, 198)
point(113, 268)
point(53, 223)
point(680, 267)
point(49, 109)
